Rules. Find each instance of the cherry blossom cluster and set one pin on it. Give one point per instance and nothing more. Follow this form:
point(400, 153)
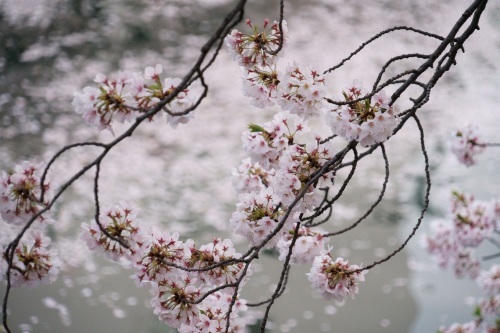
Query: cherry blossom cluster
point(486, 320)
point(335, 278)
point(300, 90)
point(368, 121)
point(309, 245)
point(466, 144)
point(32, 262)
point(473, 220)
point(124, 97)
point(20, 199)
point(489, 281)
point(20, 192)
point(283, 159)
point(177, 273)
point(120, 222)
point(281, 165)
point(452, 241)
point(251, 50)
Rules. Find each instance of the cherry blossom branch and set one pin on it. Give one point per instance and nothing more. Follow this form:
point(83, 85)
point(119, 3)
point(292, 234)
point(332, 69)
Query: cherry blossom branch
point(280, 286)
point(231, 19)
point(424, 208)
point(281, 36)
point(375, 204)
point(329, 203)
point(328, 167)
point(377, 36)
point(455, 43)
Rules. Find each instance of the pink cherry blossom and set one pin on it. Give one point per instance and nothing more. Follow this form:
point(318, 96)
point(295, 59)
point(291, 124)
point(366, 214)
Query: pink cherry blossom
point(368, 121)
point(490, 307)
point(212, 315)
point(172, 297)
point(466, 144)
point(470, 327)
point(465, 264)
point(489, 281)
point(302, 91)
point(119, 221)
point(266, 143)
point(474, 220)
point(441, 243)
point(163, 248)
point(123, 98)
point(20, 192)
point(214, 253)
point(335, 279)
point(257, 215)
point(261, 85)
point(32, 263)
point(309, 244)
point(153, 73)
point(251, 50)
point(251, 177)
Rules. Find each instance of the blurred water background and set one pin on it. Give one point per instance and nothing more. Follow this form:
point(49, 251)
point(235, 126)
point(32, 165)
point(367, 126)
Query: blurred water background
point(181, 179)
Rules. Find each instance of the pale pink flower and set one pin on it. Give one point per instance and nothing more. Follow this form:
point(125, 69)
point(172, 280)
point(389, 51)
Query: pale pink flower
point(212, 315)
point(261, 85)
point(112, 101)
point(266, 143)
point(441, 243)
point(297, 165)
point(466, 265)
point(153, 73)
point(490, 307)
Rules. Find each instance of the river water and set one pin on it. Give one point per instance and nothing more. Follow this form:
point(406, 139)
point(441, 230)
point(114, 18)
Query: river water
point(180, 179)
